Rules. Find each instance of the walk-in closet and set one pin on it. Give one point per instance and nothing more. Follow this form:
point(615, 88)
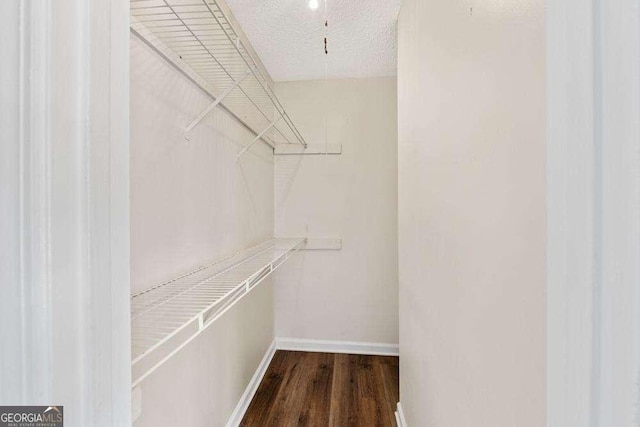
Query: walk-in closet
point(264, 219)
point(323, 213)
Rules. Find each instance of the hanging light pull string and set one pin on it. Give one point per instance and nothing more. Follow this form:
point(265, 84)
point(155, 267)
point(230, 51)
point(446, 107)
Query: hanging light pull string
point(326, 25)
point(326, 76)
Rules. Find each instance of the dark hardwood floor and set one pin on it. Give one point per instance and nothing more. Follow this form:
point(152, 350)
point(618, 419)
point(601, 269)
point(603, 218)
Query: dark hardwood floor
point(325, 389)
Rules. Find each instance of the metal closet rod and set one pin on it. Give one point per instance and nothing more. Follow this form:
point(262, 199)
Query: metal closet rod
point(201, 87)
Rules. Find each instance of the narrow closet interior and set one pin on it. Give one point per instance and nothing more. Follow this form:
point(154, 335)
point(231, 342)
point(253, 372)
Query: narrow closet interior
point(337, 213)
point(263, 214)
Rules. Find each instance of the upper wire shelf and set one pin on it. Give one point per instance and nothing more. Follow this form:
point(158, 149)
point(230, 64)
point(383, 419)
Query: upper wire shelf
point(198, 36)
point(165, 318)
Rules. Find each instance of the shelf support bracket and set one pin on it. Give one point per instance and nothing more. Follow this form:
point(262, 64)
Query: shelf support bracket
point(257, 138)
point(215, 103)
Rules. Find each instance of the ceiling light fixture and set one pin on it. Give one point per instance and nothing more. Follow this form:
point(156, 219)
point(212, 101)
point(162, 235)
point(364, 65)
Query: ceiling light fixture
point(313, 4)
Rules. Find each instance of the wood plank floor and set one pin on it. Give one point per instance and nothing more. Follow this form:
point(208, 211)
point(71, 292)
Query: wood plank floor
point(326, 389)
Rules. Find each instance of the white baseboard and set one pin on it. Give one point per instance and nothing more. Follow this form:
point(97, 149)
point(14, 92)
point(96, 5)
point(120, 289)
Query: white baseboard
point(402, 422)
point(349, 347)
point(243, 404)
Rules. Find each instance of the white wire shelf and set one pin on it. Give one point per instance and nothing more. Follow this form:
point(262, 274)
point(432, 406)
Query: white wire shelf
point(167, 317)
point(198, 38)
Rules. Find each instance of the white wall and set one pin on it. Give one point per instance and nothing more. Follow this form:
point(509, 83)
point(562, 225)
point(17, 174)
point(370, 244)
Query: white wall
point(471, 152)
point(201, 385)
point(351, 294)
point(191, 203)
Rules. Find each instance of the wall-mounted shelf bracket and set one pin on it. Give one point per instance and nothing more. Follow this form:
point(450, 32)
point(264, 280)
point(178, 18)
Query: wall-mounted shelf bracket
point(323, 244)
point(257, 138)
point(214, 104)
point(199, 40)
point(311, 150)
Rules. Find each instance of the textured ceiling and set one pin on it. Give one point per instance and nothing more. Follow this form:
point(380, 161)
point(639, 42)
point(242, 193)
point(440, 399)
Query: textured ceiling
point(289, 37)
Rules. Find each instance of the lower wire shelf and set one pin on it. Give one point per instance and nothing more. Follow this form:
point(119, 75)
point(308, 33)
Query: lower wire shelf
point(165, 318)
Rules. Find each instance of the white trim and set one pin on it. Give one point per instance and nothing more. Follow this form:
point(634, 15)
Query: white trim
point(349, 347)
point(243, 404)
point(402, 422)
point(593, 212)
point(64, 208)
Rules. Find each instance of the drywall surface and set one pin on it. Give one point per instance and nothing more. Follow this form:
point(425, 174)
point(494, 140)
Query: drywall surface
point(471, 154)
point(350, 294)
point(192, 203)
